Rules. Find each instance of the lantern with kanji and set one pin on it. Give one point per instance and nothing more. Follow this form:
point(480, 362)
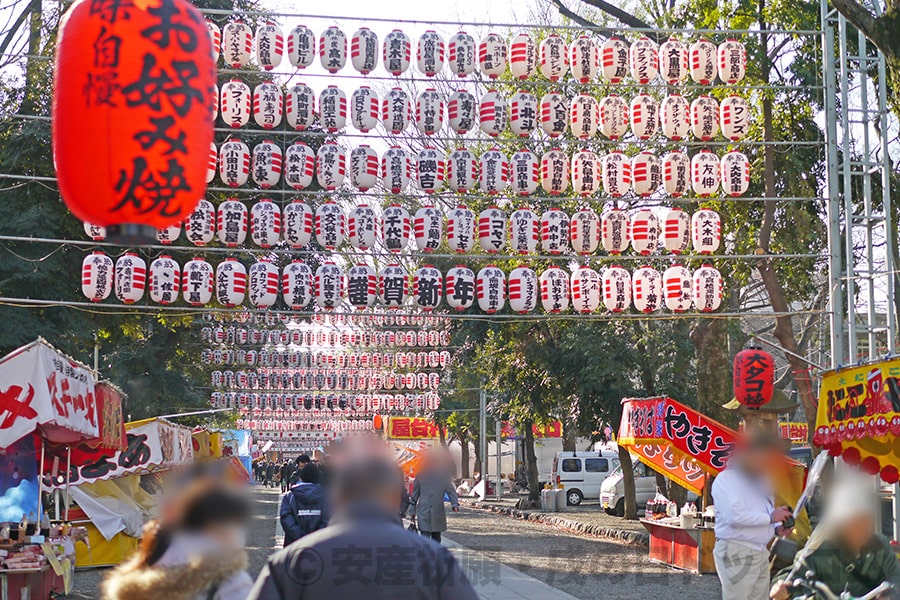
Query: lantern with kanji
point(462, 111)
point(331, 165)
point(298, 224)
point(461, 54)
point(215, 38)
point(397, 228)
point(491, 229)
point(164, 280)
point(734, 117)
point(428, 225)
point(333, 49)
point(95, 232)
point(430, 53)
point(754, 377)
point(461, 231)
point(676, 230)
point(364, 50)
point(705, 169)
point(231, 282)
point(616, 174)
point(554, 171)
point(397, 52)
point(524, 172)
point(97, 276)
point(197, 282)
point(554, 231)
point(301, 46)
point(427, 287)
point(297, 285)
point(553, 114)
point(586, 171)
point(676, 167)
point(328, 284)
point(393, 286)
point(646, 174)
point(554, 57)
point(614, 233)
point(235, 105)
point(212, 163)
point(584, 59)
point(462, 170)
point(431, 167)
point(490, 289)
point(492, 55)
point(429, 112)
point(460, 287)
point(231, 223)
point(269, 45)
point(237, 44)
point(586, 290)
point(330, 225)
point(704, 117)
point(523, 290)
point(494, 172)
point(707, 288)
point(492, 115)
point(524, 231)
point(333, 108)
point(677, 283)
point(396, 110)
point(362, 227)
point(644, 228)
point(362, 286)
point(613, 117)
point(266, 164)
point(702, 61)
point(265, 223)
point(363, 167)
point(522, 56)
point(584, 231)
point(673, 61)
point(706, 231)
point(731, 57)
point(735, 173)
point(262, 284)
point(300, 106)
point(584, 116)
point(554, 282)
point(675, 117)
point(365, 108)
point(646, 288)
point(643, 116)
point(396, 169)
point(616, 289)
point(523, 113)
point(234, 163)
point(167, 235)
point(267, 105)
point(644, 60)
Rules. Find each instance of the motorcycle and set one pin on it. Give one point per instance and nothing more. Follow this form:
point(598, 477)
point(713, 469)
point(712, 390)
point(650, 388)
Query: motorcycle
point(809, 588)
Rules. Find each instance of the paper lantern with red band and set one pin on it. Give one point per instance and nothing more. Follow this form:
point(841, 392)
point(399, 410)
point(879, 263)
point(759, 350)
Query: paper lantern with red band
point(269, 46)
point(462, 111)
point(364, 50)
point(126, 152)
point(430, 53)
point(754, 377)
point(523, 112)
point(397, 52)
point(97, 276)
point(461, 54)
point(197, 282)
point(130, 278)
point(524, 231)
point(492, 55)
point(554, 59)
point(460, 288)
point(431, 168)
point(554, 171)
point(490, 288)
point(164, 280)
point(427, 287)
point(523, 290)
point(365, 108)
point(262, 284)
point(362, 227)
point(396, 110)
point(297, 285)
point(522, 56)
point(362, 286)
point(301, 46)
point(428, 226)
point(554, 290)
point(494, 172)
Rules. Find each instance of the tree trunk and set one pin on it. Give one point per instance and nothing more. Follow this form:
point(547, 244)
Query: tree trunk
point(531, 468)
point(714, 377)
point(628, 483)
point(568, 436)
point(477, 450)
point(464, 456)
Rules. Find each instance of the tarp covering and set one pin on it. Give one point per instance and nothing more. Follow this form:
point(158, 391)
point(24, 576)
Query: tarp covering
point(113, 506)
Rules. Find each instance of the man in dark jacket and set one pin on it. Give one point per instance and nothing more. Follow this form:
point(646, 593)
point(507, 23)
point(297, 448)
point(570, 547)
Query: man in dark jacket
point(304, 509)
point(365, 552)
point(287, 471)
point(270, 473)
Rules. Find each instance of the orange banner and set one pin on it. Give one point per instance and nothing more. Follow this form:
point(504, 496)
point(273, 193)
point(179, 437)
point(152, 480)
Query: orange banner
point(411, 428)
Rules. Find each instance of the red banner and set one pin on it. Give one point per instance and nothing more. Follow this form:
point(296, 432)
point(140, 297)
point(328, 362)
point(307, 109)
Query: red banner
point(112, 423)
point(682, 470)
point(553, 429)
point(411, 428)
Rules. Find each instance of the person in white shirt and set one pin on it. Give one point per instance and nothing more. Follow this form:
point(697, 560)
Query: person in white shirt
point(746, 520)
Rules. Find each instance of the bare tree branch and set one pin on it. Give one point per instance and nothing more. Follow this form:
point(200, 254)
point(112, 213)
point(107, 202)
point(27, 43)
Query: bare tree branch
point(573, 16)
point(624, 16)
point(859, 16)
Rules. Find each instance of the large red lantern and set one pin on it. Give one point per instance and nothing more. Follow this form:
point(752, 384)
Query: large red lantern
point(754, 377)
point(133, 83)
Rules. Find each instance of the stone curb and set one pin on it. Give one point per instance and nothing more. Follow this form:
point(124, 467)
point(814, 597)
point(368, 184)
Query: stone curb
point(635, 538)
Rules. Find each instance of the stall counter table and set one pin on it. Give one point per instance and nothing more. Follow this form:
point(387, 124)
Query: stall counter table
point(688, 549)
point(28, 584)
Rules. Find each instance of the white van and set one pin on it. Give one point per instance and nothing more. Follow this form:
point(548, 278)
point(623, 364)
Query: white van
point(612, 492)
point(582, 473)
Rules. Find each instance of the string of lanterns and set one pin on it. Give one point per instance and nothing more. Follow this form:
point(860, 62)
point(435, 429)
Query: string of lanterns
point(307, 359)
point(349, 404)
point(321, 338)
point(325, 379)
point(337, 328)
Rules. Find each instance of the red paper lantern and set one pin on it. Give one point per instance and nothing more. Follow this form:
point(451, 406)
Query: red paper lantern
point(754, 377)
point(133, 83)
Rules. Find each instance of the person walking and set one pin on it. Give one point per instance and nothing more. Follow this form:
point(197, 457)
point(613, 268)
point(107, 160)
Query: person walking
point(304, 509)
point(270, 473)
point(427, 501)
point(747, 519)
point(286, 471)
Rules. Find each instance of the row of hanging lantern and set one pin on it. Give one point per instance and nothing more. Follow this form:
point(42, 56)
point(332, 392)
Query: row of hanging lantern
point(325, 379)
point(306, 359)
point(320, 337)
point(314, 403)
point(584, 57)
point(329, 320)
point(523, 113)
point(341, 425)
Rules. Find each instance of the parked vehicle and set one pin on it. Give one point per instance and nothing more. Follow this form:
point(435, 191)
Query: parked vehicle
point(612, 492)
point(582, 473)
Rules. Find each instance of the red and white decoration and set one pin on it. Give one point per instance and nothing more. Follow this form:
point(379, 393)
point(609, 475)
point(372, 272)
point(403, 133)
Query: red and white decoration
point(461, 54)
point(97, 276)
point(393, 286)
point(95, 232)
point(431, 168)
point(231, 282)
point(616, 174)
point(643, 116)
point(492, 115)
point(584, 116)
point(675, 117)
point(614, 232)
point(706, 231)
point(269, 45)
point(331, 165)
point(735, 173)
point(297, 285)
point(554, 290)
point(429, 112)
point(237, 44)
point(212, 162)
point(328, 284)
point(616, 289)
point(397, 52)
point(646, 174)
point(702, 59)
point(430, 53)
point(169, 234)
point(300, 106)
point(427, 287)
point(364, 50)
point(263, 284)
point(524, 172)
point(647, 289)
point(676, 231)
point(554, 231)
point(333, 49)
point(554, 172)
point(460, 287)
point(585, 173)
point(586, 290)
point(492, 56)
point(644, 60)
point(396, 110)
point(364, 168)
point(197, 282)
point(333, 109)
point(644, 229)
point(707, 289)
point(330, 225)
point(362, 286)
point(673, 61)
point(524, 231)
point(462, 171)
point(234, 163)
point(677, 281)
point(365, 108)
point(523, 113)
point(215, 38)
point(428, 228)
point(396, 169)
point(705, 169)
point(553, 114)
point(268, 105)
point(462, 111)
point(301, 46)
point(490, 289)
point(298, 224)
point(265, 223)
point(734, 117)
point(676, 172)
point(461, 229)
point(614, 60)
point(584, 231)
point(266, 164)
point(584, 59)
point(492, 230)
point(397, 228)
point(235, 103)
point(164, 280)
point(523, 290)
point(613, 117)
point(522, 56)
point(704, 117)
point(231, 223)
point(554, 57)
point(362, 227)
point(731, 59)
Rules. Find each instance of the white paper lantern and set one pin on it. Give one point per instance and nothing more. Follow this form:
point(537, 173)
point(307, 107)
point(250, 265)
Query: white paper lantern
point(616, 289)
point(428, 226)
point(586, 290)
point(460, 287)
point(647, 290)
point(427, 287)
point(461, 54)
point(95, 232)
point(584, 231)
point(461, 231)
point(554, 114)
point(524, 231)
point(197, 282)
point(297, 285)
point(234, 163)
point(396, 169)
point(333, 108)
point(705, 173)
point(235, 103)
point(584, 116)
point(646, 174)
point(393, 286)
point(584, 59)
point(522, 56)
point(676, 231)
point(330, 225)
point(554, 172)
point(614, 231)
point(200, 226)
point(586, 170)
point(492, 115)
point(705, 117)
point(269, 45)
point(523, 290)
point(554, 57)
point(397, 228)
point(613, 117)
point(732, 61)
point(333, 49)
point(673, 61)
point(362, 227)
point(524, 169)
point(707, 288)
point(298, 224)
point(644, 229)
point(494, 172)
point(301, 46)
point(492, 56)
point(265, 223)
point(164, 280)
point(300, 106)
point(212, 162)
point(263, 284)
point(365, 108)
point(364, 50)
point(734, 117)
point(674, 113)
point(97, 276)
point(231, 282)
point(237, 44)
point(364, 168)
point(735, 173)
point(490, 289)
point(644, 60)
point(643, 116)
point(554, 290)
point(329, 286)
point(677, 281)
point(331, 165)
point(430, 53)
point(523, 113)
point(615, 174)
point(702, 57)
point(167, 235)
point(396, 110)
point(429, 112)
point(215, 38)
point(462, 111)
point(231, 223)
point(431, 166)
point(706, 231)
point(397, 52)
point(492, 229)
point(362, 286)
point(676, 168)
point(554, 231)
point(267, 105)
point(266, 164)
point(462, 170)
point(614, 60)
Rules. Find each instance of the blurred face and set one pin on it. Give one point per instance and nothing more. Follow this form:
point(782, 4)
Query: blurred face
point(232, 535)
point(857, 532)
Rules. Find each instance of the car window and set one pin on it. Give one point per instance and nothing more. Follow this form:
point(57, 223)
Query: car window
point(596, 465)
point(571, 465)
point(640, 470)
